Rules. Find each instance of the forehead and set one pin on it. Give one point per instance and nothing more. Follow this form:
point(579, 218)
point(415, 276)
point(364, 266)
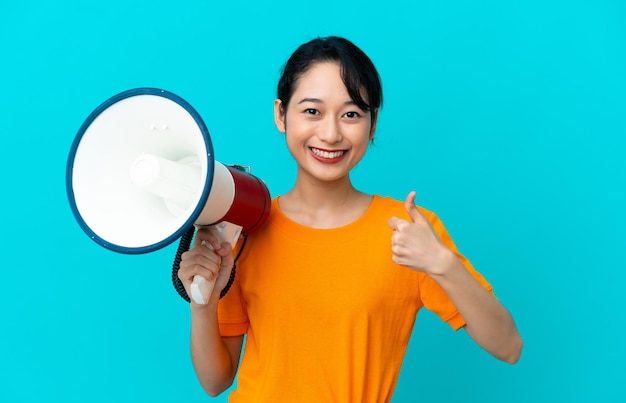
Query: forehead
point(322, 77)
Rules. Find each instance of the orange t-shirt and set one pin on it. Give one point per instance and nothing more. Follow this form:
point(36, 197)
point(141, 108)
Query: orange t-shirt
point(327, 314)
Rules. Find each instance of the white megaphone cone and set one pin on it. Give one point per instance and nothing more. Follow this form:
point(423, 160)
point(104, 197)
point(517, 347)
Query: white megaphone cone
point(141, 172)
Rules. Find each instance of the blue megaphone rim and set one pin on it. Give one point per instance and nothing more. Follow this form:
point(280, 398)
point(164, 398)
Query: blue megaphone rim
point(205, 192)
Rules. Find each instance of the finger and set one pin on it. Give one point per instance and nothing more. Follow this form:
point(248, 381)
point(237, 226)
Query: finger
point(204, 252)
point(224, 249)
point(409, 205)
point(205, 236)
point(393, 223)
point(226, 254)
point(200, 261)
point(207, 245)
point(398, 224)
point(213, 257)
point(188, 271)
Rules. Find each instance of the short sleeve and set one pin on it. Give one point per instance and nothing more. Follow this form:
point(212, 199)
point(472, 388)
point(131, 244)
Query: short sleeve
point(433, 296)
point(232, 312)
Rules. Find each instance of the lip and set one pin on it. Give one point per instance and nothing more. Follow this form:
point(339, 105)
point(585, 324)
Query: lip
point(327, 156)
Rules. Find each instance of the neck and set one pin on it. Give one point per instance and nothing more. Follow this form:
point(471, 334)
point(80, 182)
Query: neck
point(324, 204)
point(316, 194)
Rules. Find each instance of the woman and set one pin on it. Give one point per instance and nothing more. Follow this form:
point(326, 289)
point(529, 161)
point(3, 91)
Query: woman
point(328, 290)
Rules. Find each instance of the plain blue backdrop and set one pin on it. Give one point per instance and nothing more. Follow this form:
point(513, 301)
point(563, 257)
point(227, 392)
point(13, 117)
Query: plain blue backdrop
point(507, 118)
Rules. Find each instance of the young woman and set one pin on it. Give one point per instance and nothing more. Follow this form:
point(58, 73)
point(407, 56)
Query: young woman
point(328, 290)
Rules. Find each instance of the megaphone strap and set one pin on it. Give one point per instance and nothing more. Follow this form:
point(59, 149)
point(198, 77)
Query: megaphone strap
point(183, 246)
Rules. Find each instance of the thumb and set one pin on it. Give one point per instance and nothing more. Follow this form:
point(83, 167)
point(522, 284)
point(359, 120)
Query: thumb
point(409, 205)
point(226, 253)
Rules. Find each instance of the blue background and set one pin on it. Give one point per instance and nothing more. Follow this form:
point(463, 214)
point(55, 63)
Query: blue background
point(508, 118)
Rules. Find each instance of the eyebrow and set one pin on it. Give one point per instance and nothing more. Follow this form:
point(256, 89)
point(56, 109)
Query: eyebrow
point(319, 101)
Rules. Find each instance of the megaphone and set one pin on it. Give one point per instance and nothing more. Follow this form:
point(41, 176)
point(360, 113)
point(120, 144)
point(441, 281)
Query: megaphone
point(141, 172)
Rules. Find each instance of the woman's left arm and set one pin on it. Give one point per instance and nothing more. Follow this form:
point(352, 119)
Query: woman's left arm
point(487, 321)
point(415, 244)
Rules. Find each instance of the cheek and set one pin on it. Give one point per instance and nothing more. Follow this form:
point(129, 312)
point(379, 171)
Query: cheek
point(361, 136)
point(299, 127)
point(294, 144)
point(358, 150)
point(358, 153)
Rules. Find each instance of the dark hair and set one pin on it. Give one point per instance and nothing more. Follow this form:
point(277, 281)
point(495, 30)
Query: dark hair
point(357, 70)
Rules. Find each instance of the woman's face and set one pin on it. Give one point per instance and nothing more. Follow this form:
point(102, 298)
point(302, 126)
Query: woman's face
point(326, 132)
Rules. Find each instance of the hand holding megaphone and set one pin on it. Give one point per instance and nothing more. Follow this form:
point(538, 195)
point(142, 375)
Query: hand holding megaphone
point(214, 262)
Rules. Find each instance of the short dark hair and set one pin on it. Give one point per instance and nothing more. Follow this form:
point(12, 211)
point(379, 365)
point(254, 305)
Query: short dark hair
point(357, 70)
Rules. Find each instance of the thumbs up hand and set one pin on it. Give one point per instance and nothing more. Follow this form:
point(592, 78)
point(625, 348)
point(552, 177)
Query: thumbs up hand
point(415, 244)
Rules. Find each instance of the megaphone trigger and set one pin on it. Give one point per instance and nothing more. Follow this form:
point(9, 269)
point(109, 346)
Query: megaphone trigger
point(226, 232)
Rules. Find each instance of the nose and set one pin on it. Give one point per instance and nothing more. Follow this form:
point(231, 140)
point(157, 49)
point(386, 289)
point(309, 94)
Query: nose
point(329, 131)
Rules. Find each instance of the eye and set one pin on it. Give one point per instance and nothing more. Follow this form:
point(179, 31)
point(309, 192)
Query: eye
point(311, 111)
point(352, 115)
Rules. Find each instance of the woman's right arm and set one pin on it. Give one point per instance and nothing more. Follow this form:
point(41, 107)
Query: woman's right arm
point(215, 358)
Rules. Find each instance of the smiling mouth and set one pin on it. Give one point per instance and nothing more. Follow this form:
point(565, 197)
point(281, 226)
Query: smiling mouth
point(327, 154)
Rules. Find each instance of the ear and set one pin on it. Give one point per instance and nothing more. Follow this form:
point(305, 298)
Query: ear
point(279, 116)
point(374, 121)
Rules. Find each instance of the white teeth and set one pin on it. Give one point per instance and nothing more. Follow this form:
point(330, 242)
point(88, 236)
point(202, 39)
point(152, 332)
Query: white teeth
point(327, 154)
